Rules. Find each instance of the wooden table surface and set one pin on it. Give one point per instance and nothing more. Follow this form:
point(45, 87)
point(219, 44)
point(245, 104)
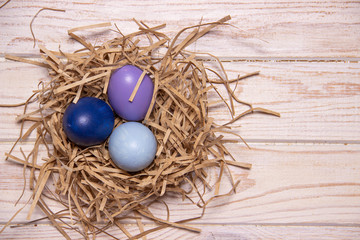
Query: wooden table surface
point(305, 180)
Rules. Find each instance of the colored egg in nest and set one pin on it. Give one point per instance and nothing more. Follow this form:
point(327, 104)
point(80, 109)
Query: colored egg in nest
point(132, 146)
point(88, 122)
point(121, 86)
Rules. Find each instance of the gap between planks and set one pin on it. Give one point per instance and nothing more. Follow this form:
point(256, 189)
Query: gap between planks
point(248, 140)
point(231, 59)
point(209, 232)
point(274, 224)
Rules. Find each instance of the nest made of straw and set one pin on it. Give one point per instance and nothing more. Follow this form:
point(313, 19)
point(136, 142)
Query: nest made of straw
point(87, 184)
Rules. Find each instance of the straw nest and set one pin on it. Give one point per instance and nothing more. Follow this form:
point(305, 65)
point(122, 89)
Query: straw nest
point(89, 187)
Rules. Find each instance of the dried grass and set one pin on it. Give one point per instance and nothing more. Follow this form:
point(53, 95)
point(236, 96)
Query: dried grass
point(88, 185)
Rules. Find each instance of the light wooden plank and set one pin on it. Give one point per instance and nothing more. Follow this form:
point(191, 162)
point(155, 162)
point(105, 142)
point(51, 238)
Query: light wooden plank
point(18, 81)
point(288, 184)
point(265, 29)
point(249, 232)
point(318, 101)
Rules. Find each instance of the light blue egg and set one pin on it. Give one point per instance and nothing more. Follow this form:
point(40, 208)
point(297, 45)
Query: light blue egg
point(132, 146)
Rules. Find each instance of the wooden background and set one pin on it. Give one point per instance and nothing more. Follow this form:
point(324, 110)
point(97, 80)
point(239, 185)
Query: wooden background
point(305, 180)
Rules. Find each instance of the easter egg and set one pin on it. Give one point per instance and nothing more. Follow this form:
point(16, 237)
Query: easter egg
point(132, 146)
point(121, 85)
point(88, 122)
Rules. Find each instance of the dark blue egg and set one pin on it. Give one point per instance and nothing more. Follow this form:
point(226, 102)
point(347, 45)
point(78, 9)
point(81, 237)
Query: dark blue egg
point(88, 122)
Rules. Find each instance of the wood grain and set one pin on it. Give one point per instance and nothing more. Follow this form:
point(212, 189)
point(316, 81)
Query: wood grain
point(288, 184)
point(318, 101)
point(213, 232)
point(285, 29)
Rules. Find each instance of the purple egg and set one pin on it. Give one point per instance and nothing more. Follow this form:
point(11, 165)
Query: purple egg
point(121, 86)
